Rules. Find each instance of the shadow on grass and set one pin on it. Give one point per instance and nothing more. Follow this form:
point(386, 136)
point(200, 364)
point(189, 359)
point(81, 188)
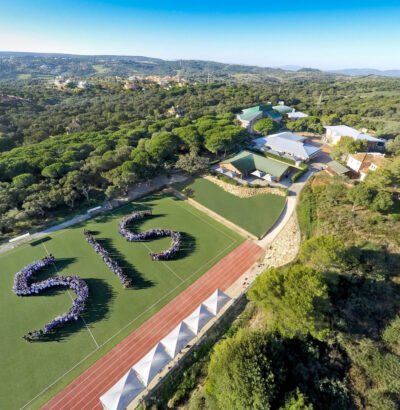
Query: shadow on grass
point(138, 281)
point(52, 271)
point(97, 308)
point(40, 241)
point(188, 246)
point(188, 241)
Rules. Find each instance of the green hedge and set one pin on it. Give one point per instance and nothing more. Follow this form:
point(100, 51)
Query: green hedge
point(298, 174)
point(227, 179)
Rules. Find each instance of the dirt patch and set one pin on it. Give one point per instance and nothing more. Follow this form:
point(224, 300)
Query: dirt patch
point(244, 192)
point(258, 320)
point(285, 246)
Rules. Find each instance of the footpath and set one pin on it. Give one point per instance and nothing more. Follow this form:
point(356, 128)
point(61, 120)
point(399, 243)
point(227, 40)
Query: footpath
point(138, 191)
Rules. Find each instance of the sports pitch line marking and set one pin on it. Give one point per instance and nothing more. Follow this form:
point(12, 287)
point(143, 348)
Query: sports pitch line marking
point(69, 293)
point(234, 241)
point(122, 329)
point(168, 267)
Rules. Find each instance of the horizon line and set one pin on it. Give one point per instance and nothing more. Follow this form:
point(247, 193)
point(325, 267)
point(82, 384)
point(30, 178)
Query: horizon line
point(280, 67)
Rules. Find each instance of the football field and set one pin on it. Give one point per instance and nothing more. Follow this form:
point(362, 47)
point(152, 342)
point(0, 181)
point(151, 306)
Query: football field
point(256, 214)
point(31, 373)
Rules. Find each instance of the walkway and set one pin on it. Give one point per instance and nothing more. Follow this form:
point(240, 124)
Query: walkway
point(138, 191)
point(85, 391)
point(287, 211)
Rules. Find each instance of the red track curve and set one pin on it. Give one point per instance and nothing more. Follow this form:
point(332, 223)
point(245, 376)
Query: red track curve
point(84, 392)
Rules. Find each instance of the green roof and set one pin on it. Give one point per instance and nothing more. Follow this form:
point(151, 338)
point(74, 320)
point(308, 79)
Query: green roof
point(248, 114)
point(273, 115)
point(246, 162)
point(338, 167)
point(283, 109)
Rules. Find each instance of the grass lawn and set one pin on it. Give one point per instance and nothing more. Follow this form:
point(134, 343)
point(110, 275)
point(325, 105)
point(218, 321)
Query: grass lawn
point(99, 68)
point(256, 214)
point(24, 76)
point(33, 373)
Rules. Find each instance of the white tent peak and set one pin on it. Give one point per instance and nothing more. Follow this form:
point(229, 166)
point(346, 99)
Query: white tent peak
point(123, 392)
point(175, 341)
point(198, 319)
point(150, 365)
point(216, 301)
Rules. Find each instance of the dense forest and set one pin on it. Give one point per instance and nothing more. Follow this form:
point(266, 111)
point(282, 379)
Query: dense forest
point(127, 136)
point(328, 323)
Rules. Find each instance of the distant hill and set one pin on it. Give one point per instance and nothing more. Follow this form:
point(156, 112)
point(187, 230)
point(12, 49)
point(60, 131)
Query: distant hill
point(291, 67)
point(309, 70)
point(367, 71)
point(17, 65)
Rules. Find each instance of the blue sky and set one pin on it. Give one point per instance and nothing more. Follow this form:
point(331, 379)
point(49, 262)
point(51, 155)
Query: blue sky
point(327, 35)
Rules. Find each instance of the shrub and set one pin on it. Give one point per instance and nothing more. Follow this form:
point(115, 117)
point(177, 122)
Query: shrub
point(226, 179)
point(395, 217)
point(375, 220)
point(391, 334)
point(306, 211)
point(298, 174)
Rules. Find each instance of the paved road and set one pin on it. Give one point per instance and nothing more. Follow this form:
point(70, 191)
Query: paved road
point(291, 202)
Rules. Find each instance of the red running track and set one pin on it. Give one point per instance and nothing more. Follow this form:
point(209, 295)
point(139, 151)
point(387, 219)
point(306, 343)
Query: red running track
point(85, 391)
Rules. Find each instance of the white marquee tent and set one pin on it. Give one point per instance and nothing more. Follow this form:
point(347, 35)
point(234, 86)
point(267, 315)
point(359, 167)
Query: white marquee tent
point(258, 174)
point(123, 392)
point(150, 365)
point(216, 301)
point(198, 319)
point(175, 341)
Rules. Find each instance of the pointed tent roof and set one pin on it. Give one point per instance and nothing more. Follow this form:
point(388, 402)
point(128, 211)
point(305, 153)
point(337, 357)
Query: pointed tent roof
point(258, 173)
point(175, 341)
point(198, 319)
point(216, 301)
point(123, 392)
point(150, 365)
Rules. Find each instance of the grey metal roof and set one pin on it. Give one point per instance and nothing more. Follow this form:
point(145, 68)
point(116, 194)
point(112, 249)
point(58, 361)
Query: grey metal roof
point(338, 167)
point(289, 143)
point(345, 131)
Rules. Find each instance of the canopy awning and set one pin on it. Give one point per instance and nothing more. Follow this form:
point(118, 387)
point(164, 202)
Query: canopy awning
point(216, 301)
point(258, 174)
point(198, 319)
point(123, 392)
point(150, 365)
point(175, 341)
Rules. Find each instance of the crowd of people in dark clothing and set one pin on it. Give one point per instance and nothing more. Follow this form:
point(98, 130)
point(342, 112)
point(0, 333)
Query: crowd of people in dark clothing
point(152, 233)
point(23, 288)
point(105, 256)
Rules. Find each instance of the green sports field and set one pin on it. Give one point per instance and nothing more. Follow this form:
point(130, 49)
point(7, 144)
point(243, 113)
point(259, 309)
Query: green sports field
point(30, 374)
point(256, 214)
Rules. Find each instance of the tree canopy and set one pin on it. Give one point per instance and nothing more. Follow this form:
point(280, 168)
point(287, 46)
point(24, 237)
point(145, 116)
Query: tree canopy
point(266, 126)
point(296, 297)
point(245, 371)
